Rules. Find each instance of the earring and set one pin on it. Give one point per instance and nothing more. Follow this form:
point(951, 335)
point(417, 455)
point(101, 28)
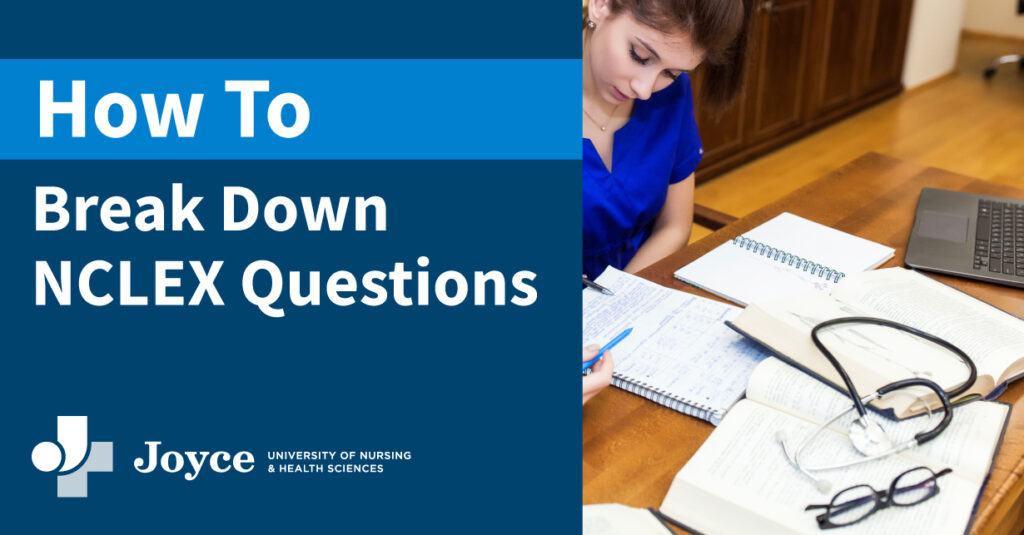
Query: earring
point(591, 24)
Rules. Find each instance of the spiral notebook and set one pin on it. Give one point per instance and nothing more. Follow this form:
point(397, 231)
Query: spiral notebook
point(680, 353)
point(784, 256)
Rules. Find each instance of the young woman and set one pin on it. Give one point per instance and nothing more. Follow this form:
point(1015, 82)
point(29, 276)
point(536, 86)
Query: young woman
point(640, 140)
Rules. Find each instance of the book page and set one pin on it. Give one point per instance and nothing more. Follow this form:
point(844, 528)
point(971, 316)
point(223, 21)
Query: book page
point(679, 342)
point(741, 482)
point(618, 519)
point(781, 386)
point(966, 445)
point(993, 338)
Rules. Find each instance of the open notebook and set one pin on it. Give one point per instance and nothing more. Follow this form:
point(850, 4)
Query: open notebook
point(740, 481)
point(680, 353)
point(784, 256)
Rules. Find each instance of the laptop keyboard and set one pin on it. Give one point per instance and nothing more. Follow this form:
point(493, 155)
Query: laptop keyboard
point(999, 243)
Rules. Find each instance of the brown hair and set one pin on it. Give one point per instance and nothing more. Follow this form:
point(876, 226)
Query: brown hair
point(717, 26)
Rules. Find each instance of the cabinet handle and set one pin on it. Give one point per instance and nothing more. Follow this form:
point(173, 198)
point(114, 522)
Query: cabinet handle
point(767, 5)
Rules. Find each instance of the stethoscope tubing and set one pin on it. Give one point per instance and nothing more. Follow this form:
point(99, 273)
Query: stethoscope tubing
point(859, 403)
point(854, 395)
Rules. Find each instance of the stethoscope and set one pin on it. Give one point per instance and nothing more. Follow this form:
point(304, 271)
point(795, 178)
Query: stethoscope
point(867, 437)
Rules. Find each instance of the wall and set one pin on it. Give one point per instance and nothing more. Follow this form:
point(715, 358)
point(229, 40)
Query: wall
point(996, 17)
point(933, 40)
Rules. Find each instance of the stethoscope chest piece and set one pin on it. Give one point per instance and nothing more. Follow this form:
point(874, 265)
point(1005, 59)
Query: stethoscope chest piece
point(869, 438)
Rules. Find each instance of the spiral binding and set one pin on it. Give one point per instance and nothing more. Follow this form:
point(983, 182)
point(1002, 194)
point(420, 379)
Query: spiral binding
point(791, 260)
point(666, 399)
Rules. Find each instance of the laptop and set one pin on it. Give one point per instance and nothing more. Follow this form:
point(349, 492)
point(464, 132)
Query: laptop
point(968, 235)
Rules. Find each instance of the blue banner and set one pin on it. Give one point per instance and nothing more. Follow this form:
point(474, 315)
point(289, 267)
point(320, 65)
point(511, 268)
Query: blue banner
point(290, 109)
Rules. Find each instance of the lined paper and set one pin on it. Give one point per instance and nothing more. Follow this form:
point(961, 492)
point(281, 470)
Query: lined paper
point(680, 353)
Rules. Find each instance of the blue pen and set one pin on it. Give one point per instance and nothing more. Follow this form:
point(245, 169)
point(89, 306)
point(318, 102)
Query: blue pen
point(606, 347)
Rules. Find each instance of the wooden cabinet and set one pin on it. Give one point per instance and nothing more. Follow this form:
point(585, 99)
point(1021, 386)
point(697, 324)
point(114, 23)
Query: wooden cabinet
point(778, 70)
point(842, 27)
point(810, 62)
point(721, 133)
point(887, 39)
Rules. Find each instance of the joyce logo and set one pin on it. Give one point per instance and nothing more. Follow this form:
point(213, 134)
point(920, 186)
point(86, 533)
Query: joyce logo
point(69, 454)
point(172, 462)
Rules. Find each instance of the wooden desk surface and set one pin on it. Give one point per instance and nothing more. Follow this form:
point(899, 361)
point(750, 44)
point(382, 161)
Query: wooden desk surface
point(633, 448)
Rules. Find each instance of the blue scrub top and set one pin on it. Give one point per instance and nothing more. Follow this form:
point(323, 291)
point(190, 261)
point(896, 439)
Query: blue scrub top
point(659, 146)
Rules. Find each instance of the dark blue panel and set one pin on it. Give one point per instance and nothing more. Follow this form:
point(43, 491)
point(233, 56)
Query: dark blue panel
point(303, 29)
point(482, 396)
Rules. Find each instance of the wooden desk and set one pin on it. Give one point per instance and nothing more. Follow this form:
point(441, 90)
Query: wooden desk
point(633, 448)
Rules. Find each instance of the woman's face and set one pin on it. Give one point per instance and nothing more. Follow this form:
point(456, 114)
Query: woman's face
point(630, 60)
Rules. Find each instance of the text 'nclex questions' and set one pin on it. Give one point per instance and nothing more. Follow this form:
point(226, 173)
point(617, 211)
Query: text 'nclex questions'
point(101, 282)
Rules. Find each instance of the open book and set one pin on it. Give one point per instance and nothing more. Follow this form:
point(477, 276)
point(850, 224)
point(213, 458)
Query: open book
point(680, 353)
point(875, 356)
point(786, 255)
point(740, 481)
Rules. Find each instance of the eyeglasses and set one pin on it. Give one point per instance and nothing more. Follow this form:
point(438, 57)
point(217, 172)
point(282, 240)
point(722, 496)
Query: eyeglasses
point(861, 501)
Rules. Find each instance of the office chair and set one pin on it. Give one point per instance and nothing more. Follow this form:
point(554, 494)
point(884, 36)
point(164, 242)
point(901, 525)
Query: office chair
point(1013, 58)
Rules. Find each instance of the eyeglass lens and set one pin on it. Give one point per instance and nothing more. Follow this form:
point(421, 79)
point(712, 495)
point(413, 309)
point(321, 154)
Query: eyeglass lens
point(852, 505)
point(913, 487)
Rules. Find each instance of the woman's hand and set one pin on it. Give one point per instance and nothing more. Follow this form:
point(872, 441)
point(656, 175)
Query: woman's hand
point(601, 375)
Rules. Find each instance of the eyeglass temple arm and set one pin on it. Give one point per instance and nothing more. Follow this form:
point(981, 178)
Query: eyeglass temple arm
point(947, 407)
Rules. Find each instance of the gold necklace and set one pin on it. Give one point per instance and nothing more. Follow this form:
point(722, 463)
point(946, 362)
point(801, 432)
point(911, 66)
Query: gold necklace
point(603, 127)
